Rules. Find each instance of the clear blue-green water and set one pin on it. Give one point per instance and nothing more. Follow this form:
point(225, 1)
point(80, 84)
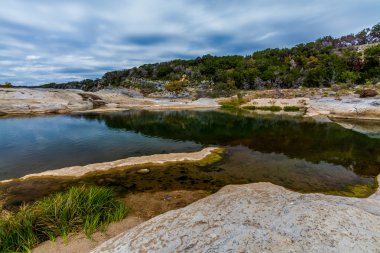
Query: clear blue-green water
point(297, 153)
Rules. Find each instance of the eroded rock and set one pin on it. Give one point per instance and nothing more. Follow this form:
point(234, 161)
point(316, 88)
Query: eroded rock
point(259, 217)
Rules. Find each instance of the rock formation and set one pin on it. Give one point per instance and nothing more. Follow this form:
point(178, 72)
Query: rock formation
point(259, 217)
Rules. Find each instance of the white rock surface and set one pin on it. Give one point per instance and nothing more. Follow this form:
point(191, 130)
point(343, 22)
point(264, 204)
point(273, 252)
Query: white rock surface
point(350, 107)
point(30, 101)
point(259, 217)
point(19, 101)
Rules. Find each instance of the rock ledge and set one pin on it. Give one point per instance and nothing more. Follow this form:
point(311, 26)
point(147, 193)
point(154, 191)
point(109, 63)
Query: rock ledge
point(259, 217)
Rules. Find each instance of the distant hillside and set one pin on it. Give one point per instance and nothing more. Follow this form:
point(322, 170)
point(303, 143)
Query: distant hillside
point(351, 59)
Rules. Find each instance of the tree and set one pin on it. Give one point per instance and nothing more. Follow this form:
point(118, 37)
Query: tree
point(6, 85)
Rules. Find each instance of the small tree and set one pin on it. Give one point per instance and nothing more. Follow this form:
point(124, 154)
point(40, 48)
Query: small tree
point(6, 85)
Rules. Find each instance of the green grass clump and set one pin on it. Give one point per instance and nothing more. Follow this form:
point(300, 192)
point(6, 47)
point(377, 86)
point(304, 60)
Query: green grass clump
point(77, 209)
point(233, 103)
point(228, 105)
point(292, 108)
point(272, 108)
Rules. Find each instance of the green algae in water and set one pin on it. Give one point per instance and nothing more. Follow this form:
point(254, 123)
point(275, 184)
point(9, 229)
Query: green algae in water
point(239, 165)
point(358, 191)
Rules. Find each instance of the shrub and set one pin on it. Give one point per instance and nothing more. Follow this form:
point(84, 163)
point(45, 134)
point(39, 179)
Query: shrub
point(174, 86)
point(77, 209)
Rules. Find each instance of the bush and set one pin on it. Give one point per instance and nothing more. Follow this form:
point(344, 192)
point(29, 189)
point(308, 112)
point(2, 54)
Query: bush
point(174, 86)
point(77, 209)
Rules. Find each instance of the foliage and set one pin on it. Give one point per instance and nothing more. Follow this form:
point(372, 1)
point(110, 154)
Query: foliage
point(77, 209)
point(6, 85)
point(324, 62)
point(174, 86)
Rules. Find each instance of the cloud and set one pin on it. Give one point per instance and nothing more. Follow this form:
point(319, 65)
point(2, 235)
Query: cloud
point(49, 41)
point(32, 57)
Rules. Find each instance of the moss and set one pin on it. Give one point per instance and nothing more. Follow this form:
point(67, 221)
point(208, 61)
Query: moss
point(358, 190)
point(212, 158)
point(292, 108)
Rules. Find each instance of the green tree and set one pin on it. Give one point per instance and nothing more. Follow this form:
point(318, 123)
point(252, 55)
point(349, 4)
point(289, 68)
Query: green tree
point(6, 85)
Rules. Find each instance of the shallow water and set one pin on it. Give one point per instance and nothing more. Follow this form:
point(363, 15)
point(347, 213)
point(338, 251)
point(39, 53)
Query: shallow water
point(297, 153)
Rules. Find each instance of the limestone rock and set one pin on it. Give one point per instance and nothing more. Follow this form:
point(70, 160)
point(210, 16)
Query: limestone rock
point(347, 107)
point(41, 101)
point(259, 217)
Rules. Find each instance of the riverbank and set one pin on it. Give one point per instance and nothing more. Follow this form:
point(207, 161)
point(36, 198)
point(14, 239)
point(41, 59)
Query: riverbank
point(311, 102)
point(25, 101)
point(296, 222)
point(144, 206)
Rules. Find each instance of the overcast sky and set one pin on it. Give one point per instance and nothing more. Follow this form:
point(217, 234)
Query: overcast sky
point(45, 41)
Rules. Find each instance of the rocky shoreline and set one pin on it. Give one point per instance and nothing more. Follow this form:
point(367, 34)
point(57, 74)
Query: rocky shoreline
point(259, 217)
point(204, 155)
point(24, 101)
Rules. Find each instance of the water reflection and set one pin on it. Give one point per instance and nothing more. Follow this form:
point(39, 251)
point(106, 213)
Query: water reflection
point(296, 138)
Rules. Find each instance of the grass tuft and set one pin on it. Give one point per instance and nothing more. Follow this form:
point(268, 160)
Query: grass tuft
point(272, 108)
point(292, 108)
point(77, 209)
point(229, 106)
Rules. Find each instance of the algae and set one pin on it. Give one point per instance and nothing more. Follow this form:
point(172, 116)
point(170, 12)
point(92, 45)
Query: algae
point(357, 191)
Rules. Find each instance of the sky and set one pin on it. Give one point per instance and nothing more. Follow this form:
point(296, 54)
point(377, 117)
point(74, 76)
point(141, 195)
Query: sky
point(43, 41)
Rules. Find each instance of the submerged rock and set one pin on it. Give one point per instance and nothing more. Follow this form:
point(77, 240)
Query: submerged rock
point(259, 217)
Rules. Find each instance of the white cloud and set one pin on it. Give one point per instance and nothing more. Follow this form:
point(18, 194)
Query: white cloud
point(32, 57)
point(50, 41)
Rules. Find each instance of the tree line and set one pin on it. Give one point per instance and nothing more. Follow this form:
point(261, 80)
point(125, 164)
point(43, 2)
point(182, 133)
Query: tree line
point(351, 59)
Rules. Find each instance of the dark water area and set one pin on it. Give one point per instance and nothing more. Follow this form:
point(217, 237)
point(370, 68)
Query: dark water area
point(35, 144)
point(297, 153)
